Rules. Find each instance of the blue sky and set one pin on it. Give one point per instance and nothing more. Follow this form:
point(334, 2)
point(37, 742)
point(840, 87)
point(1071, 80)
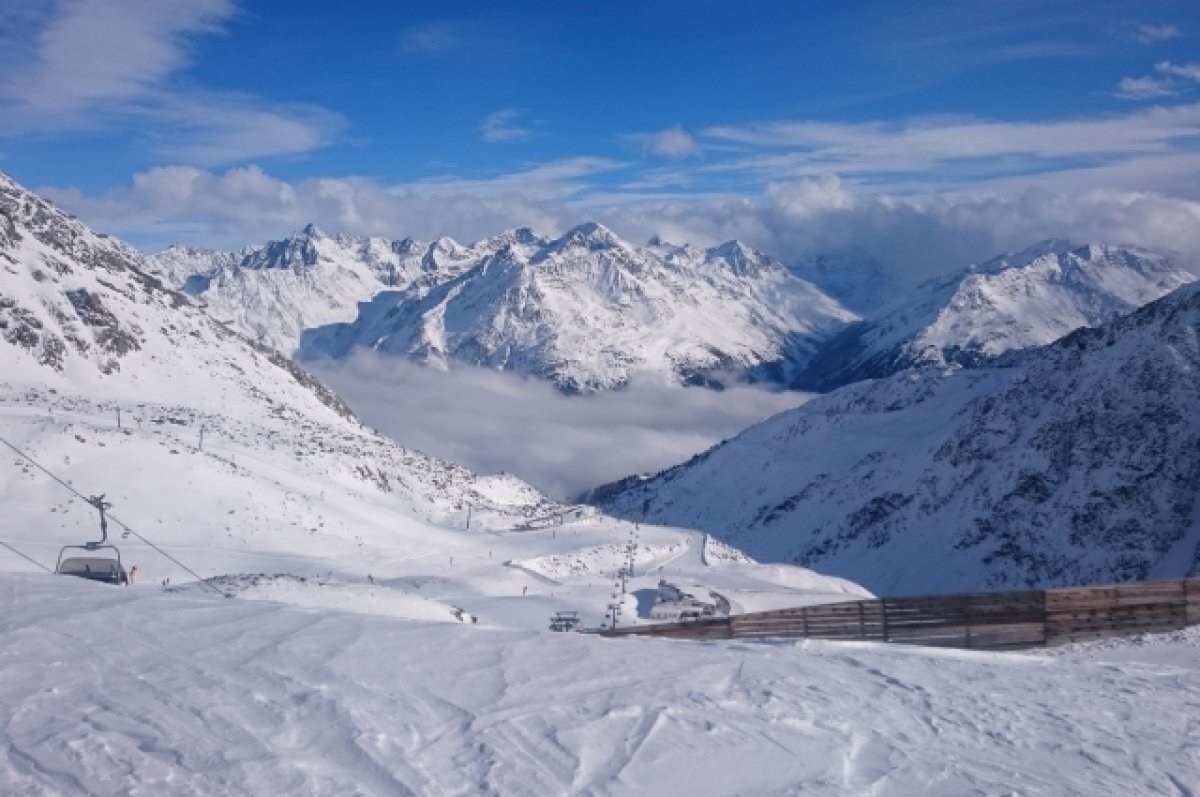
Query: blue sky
point(799, 126)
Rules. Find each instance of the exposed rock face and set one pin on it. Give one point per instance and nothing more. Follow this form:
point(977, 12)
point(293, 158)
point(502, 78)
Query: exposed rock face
point(87, 307)
point(1074, 463)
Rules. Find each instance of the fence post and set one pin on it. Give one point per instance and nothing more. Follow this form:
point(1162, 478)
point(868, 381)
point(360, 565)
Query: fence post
point(862, 628)
point(883, 611)
point(804, 618)
point(967, 618)
point(1045, 619)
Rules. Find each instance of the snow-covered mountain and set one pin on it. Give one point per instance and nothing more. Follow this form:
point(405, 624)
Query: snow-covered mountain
point(1073, 463)
point(275, 291)
point(87, 331)
point(588, 310)
point(1015, 301)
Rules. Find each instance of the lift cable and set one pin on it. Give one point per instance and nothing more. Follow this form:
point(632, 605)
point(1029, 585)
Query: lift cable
point(23, 556)
point(128, 531)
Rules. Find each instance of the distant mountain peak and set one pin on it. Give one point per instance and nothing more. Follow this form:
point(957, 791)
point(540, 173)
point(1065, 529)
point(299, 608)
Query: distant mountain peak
point(591, 235)
point(1015, 301)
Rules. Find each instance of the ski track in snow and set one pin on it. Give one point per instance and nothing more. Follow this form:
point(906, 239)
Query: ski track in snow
point(106, 691)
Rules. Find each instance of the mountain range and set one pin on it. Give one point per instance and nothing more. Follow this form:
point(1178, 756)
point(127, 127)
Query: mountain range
point(1015, 301)
point(585, 311)
point(1076, 462)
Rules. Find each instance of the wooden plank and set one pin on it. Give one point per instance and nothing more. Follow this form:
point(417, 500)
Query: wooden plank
point(800, 628)
point(1032, 636)
point(810, 631)
point(933, 642)
point(846, 607)
point(1058, 630)
point(1175, 621)
point(1121, 611)
point(1107, 603)
point(941, 632)
point(1109, 633)
point(1120, 615)
point(1115, 595)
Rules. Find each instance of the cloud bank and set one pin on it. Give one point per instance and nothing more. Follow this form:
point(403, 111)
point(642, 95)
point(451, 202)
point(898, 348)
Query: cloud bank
point(90, 64)
point(492, 421)
point(915, 236)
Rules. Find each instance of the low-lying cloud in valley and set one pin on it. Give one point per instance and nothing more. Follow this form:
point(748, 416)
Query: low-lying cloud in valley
point(493, 421)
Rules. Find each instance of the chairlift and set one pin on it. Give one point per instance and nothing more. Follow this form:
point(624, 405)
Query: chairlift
point(102, 560)
point(566, 621)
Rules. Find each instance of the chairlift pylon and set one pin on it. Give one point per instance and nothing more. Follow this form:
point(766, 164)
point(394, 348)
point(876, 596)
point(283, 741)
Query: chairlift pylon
point(95, 566)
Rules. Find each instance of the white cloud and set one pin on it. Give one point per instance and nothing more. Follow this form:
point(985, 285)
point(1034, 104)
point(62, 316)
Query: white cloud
point(936, 146)
point(95, 51)
point(500, 127)
point(226, 128)
point(493, 421)
point(924, 195)
point(184, 203)
point(1186, 71)
point(674, 142)
point(432, 38)
point(916, 235)
point(1144, 88)
point(1153, 34)
point(94, 63)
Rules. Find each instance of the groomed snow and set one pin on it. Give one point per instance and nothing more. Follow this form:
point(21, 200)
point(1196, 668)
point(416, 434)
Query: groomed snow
point(109, 690)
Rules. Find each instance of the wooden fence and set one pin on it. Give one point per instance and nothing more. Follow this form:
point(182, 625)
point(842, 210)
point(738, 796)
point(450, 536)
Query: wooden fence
point(977, 620)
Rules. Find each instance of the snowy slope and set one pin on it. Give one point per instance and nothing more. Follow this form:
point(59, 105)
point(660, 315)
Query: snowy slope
point(238, 462)
point(1078, 462)
point(129, 691)
point(90, 339)
point(588, 310)
point(1015, 301)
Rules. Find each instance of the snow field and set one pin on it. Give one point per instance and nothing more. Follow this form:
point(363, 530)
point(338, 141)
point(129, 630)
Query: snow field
point(130, 691)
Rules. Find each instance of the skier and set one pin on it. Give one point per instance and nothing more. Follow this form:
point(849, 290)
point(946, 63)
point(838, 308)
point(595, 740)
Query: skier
point(132, 575)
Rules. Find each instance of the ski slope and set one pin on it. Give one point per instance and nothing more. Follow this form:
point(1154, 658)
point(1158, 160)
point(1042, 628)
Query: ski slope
point(107, 691)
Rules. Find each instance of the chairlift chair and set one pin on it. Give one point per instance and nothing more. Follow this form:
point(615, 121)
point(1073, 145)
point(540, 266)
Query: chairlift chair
point(98, 564)
point(566, 621)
